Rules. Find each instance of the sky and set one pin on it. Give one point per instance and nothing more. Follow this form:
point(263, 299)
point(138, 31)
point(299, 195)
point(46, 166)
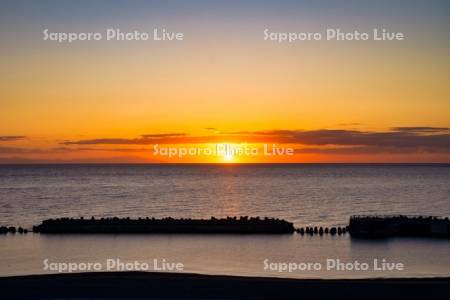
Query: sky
point(328, 101)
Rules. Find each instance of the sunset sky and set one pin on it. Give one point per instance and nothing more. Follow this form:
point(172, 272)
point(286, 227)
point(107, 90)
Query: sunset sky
point(330, 101)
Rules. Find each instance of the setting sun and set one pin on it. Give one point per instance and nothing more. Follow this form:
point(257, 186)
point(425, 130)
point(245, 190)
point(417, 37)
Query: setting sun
point(226, 151)
point(229, 157)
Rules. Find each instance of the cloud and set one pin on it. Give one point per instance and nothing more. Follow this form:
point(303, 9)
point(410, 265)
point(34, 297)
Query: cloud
point(358, 150)
point(162, 135)
point(211, 129)
point(8, 150)
point(401, 139)
point(11, 138)
point(348, 124)
point(70, 149)
point(260, 133)
point(398, 139)
point(24, 150)
point(421, 129)
point(93, 160)
point(180, 139)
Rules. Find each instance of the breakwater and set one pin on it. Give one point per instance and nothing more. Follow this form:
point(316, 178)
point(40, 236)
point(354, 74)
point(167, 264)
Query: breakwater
point(322, 230)
point(371, 226)
point(243, 225)
point(401, 225)
point(12, 229)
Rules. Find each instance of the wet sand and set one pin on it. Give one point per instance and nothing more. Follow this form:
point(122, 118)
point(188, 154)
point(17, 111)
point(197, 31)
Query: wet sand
point(141, 285)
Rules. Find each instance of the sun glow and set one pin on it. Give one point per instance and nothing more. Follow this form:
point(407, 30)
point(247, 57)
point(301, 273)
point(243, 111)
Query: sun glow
point(227, 152)
point(229, 157)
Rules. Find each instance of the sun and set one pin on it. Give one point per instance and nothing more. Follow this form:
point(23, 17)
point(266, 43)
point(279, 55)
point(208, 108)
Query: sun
point(226, 152)
point(229, 157)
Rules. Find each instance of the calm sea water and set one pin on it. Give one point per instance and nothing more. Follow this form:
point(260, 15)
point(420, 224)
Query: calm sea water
point(304, 194)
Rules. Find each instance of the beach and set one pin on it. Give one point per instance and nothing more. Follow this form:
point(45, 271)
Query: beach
point(141, 285)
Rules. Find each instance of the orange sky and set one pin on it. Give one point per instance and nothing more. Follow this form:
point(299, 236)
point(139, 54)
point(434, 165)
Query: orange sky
point(366, 99)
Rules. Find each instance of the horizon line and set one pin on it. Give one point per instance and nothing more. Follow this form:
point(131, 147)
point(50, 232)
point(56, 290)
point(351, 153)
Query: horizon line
point(226, 163)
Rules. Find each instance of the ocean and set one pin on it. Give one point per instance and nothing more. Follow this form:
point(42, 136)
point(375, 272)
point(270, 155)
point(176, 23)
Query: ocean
point(305, 194)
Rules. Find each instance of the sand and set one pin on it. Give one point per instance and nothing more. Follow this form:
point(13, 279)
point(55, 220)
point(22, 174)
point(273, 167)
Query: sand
point(142, 285)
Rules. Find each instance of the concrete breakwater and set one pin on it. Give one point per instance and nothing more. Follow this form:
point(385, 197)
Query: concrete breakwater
point(322, 230)
point(12, 229)
point(244, 225)
point(401, 225)
point(371, 226)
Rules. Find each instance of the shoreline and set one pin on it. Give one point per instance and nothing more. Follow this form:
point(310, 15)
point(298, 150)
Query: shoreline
point(148, 285)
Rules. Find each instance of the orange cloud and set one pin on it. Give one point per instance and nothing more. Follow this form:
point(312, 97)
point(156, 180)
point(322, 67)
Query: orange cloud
point(433, 139)
point(11, 138)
